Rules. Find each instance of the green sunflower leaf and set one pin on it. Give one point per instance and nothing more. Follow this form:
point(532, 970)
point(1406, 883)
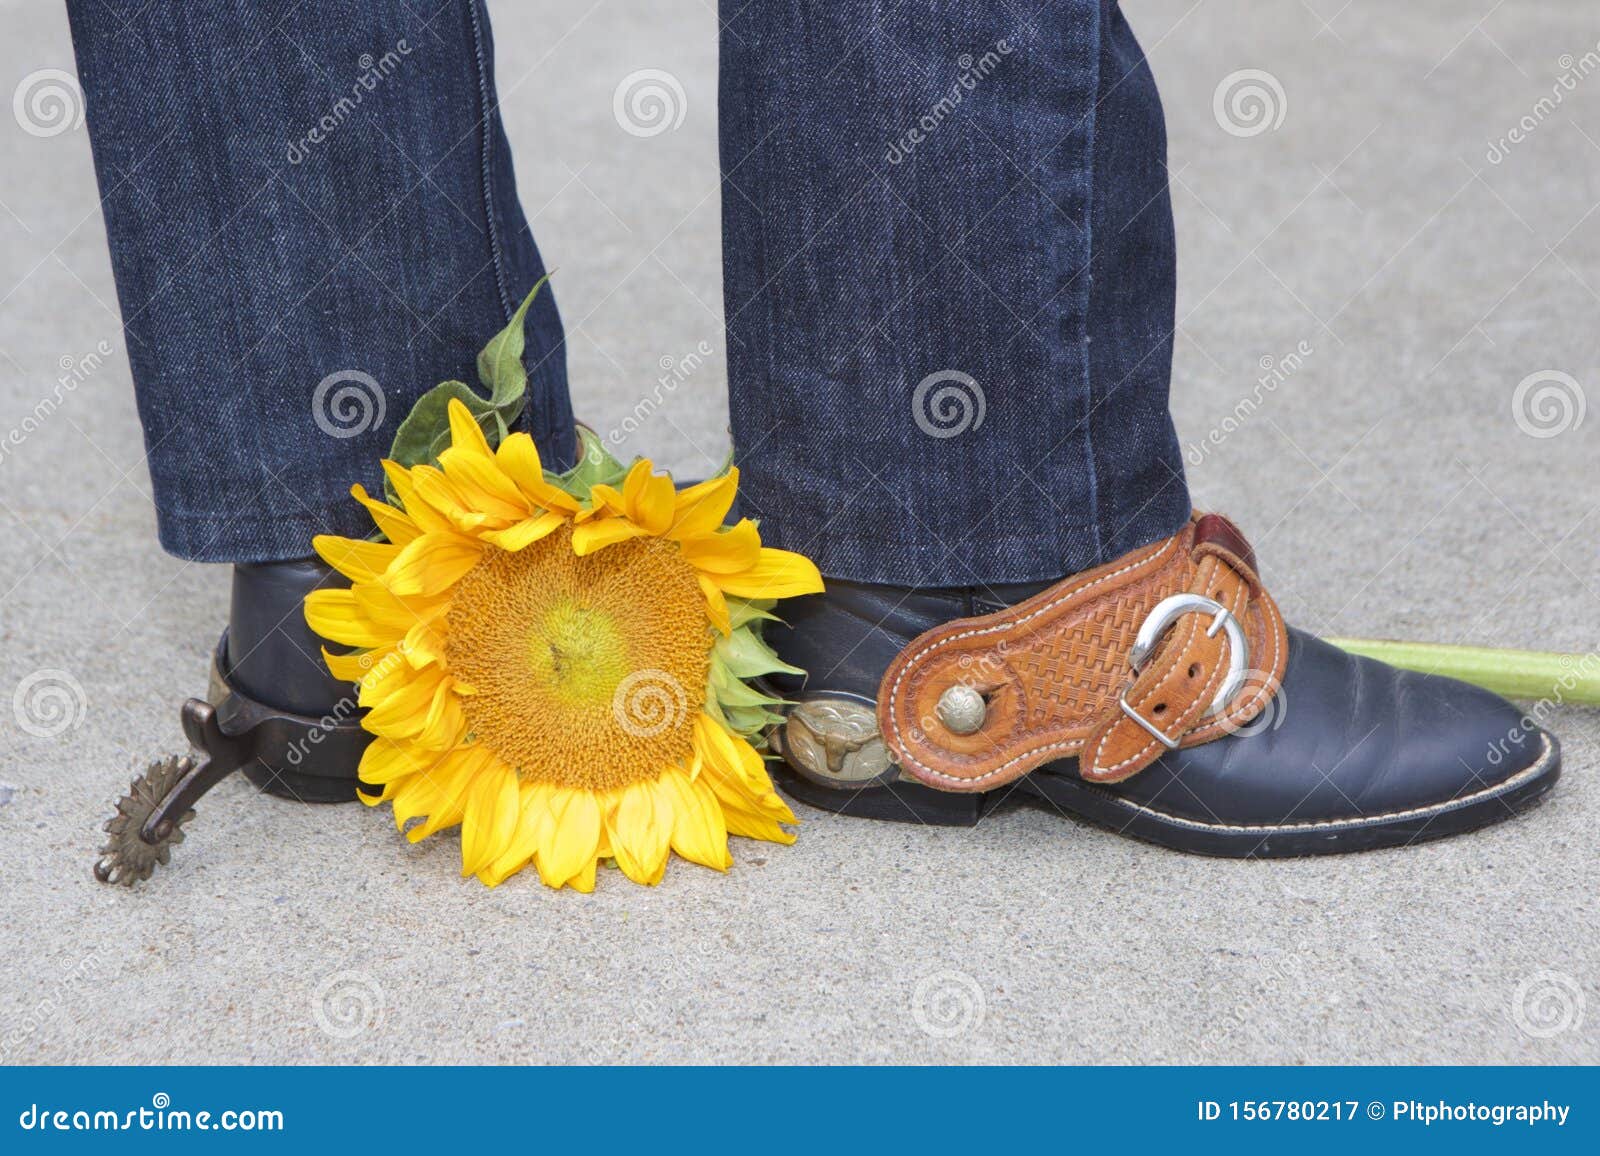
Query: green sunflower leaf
point(500, 365)
point(425, 432)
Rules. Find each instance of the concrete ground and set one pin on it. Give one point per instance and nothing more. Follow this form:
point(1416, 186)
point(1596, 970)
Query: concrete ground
point(1393, 484)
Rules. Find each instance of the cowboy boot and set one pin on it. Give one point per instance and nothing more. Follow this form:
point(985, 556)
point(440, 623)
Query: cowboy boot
point(1160, 695)
point(269, 662)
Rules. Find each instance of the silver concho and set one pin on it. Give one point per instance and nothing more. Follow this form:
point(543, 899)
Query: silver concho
point(961, 709)
point(835, 741)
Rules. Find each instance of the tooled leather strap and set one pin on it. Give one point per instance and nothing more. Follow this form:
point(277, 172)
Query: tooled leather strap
point(1055, 676)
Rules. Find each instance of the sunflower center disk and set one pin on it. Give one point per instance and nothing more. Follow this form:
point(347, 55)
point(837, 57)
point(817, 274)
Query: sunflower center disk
point(589, 672)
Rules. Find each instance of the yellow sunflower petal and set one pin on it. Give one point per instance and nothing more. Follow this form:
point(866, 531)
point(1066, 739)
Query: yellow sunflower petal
point(432, 564)
point(737, 773)
point(439, 795)
point(533, 810)
point(465, 432)
point(716, 605)
point(570, 844)
point(396, 525)
point(384, 761)
point(702, 508)
point(385, 676)
point(648, 497)
point(336, 616)
point(485, 487)
point(603, 532)
point(489, 822)
point(736, 550)
point(776, 574)
point(603, 500)
point(640, 831)
point(358, 559)
point(699, 832)
point(755, 827)
point(518, 459)
point(412, 797)
point(446, 723)
point(428, 518)
point(453, 506)
point(524, 533)
point(404, 705)
point(354, 667)
point(424, 641)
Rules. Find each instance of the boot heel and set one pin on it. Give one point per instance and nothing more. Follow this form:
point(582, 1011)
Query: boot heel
point(832, 757)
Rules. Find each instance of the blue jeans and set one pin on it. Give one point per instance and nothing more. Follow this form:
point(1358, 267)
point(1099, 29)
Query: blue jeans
point(948, 270)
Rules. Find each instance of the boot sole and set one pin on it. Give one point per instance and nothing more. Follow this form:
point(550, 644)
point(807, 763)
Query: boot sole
point(915, 803)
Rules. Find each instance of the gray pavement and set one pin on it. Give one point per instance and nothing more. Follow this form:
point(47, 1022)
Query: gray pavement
point(1390, 485)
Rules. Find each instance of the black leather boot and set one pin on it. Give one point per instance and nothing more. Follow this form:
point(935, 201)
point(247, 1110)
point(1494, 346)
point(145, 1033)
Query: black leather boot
point(1347, 754)
point(309, 737)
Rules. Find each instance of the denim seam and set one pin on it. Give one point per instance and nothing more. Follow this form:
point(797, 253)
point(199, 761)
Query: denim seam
point(486, 145)
point(1085, 299)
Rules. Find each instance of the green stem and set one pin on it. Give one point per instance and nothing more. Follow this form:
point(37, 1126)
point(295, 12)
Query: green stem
point(1522, 674)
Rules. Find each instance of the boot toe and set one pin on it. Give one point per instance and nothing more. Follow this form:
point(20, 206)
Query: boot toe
point(1349, 740)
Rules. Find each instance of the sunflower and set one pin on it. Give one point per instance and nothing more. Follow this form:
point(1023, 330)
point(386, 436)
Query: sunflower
point(557, 663)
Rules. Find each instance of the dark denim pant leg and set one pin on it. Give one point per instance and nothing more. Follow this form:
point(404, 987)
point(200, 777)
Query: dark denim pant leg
point(313, 219)
point(949, 286)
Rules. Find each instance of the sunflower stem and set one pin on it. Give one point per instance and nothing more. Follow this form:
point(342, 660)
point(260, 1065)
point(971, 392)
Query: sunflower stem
point(1521, 674)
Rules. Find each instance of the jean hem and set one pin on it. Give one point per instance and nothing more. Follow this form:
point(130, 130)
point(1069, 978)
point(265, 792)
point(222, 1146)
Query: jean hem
point(915, 562)
point(253, 538)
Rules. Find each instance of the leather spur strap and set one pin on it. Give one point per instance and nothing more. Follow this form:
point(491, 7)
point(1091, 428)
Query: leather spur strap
point(1170, 646)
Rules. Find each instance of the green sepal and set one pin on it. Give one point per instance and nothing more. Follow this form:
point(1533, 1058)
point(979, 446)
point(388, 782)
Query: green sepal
point(730, 690)
point(745, 655)
point(744, 611)
point(748, 722)
point(596, 466)
point(751, 722)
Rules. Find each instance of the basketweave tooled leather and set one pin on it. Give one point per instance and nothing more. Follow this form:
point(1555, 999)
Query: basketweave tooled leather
point(1051, 669)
